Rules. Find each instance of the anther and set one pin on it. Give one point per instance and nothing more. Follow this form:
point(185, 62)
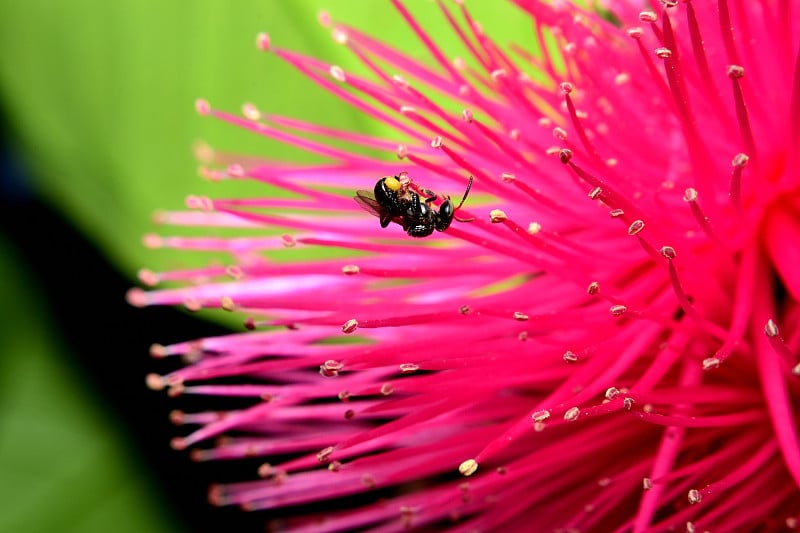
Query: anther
point(668, 252)
point(339, 36)
point(635, 227)
point(350, 326)
point(330, 368)
point(541, 415)
point(337, 73)
point(570, 357)
point(648, 16)
point(663, 53)
point(226, 302)
point(400, 81)
point(350, 270)
point(617, 310)
point(771, 328)
point(234, 271)
point(263, 42)
point(202, 106)
point(611, 393)
point(572, 414)
point(635, 33)
point(408, 368)
point(251, 112)
point(740, 160)
point(565, 155)
point(324, 455)
point(235, 170)
point(496, 216)
point(628, 403)
point(468, 467)
point(734, 72)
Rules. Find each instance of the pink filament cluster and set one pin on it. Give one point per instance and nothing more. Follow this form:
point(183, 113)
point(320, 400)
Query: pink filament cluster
point(610, 345)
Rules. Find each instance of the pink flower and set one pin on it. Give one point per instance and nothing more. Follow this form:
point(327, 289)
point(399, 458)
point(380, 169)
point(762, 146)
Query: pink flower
point(611, 344)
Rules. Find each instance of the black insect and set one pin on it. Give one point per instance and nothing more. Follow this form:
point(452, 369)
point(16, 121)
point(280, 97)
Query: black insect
point(398, 199)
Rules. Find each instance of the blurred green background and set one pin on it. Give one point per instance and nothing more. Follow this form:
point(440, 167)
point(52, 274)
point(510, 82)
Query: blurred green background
point(98, 122)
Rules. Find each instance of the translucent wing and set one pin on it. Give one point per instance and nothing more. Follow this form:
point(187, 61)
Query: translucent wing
point(367, 201)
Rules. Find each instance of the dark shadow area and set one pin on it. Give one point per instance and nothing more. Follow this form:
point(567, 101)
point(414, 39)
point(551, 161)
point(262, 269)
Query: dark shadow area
point(107, 342)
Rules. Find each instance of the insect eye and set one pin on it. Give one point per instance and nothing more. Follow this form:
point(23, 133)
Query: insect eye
point(392, 183)
point(447, 208)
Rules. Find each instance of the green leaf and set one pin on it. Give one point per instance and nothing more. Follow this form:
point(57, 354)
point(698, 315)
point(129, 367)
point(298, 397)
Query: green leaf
point(63, 466)
point(101, 94)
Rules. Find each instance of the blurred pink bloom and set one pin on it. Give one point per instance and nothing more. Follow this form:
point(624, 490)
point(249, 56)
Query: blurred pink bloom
point(610, 345)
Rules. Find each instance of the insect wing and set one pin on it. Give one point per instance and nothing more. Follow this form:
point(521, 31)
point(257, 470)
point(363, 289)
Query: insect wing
point(368, 202)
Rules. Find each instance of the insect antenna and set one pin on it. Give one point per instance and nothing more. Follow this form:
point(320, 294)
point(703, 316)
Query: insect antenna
point(469, 186)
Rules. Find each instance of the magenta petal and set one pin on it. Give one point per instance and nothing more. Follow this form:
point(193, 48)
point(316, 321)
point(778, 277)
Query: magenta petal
point(782, 240)
point(603, 336)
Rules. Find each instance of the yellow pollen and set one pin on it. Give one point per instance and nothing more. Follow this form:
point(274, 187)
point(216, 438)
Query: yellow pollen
point(392, 183)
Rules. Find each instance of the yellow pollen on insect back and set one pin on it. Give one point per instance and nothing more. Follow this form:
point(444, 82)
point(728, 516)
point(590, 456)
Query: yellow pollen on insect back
point(392, 183)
